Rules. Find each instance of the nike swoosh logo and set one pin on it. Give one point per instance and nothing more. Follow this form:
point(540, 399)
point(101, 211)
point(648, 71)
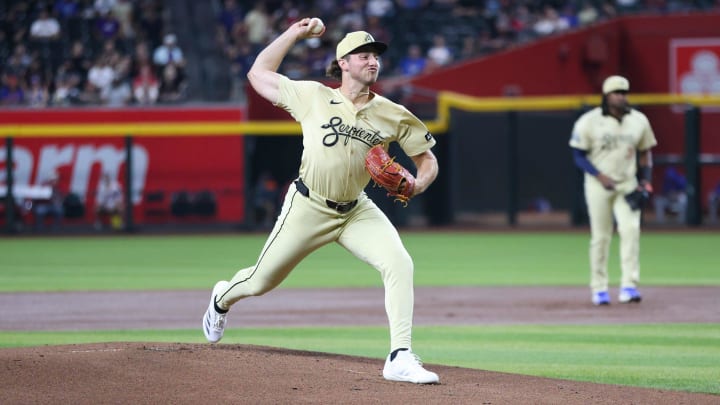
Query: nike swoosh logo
point(335, 102)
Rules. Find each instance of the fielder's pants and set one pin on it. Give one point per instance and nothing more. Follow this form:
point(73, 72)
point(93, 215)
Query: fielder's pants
point(307, 223)
point(604, 206)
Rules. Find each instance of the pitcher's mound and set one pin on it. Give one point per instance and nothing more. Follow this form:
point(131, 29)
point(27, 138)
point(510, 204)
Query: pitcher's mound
point(164, 373)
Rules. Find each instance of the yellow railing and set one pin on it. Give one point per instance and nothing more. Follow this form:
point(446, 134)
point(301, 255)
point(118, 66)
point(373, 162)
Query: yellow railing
point(446, 102)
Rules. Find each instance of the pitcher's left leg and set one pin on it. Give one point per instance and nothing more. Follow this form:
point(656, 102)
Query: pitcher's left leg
point(371, 237)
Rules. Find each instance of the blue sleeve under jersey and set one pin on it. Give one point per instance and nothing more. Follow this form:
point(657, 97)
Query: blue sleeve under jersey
point(581, 161)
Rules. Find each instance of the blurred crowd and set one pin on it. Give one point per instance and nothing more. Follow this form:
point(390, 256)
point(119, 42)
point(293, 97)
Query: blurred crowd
point(92, 52)
point(424, 34)
point(120, 52)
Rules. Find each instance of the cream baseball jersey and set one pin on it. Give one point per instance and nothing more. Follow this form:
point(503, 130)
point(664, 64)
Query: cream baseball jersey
point(337, 136)
point(612, 145)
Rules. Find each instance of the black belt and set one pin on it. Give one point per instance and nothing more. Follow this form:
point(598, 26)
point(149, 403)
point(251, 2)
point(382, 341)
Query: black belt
point(341, 207)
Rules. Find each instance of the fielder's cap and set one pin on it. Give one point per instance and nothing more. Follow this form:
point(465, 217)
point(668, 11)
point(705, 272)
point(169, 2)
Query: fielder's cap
point(357, 39)
point(615, 83)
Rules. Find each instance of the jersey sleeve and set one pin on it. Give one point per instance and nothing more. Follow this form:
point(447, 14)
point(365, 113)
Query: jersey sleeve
point(413, 136)
point(647, 140)
point(579, 138)
point(294, 96)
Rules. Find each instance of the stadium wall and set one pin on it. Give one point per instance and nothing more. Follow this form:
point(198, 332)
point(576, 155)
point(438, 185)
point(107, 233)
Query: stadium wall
point(209, 170)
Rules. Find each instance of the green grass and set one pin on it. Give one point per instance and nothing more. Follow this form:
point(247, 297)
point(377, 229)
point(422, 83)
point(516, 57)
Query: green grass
point(678, 357)
point(441, 259)
point(674, 357)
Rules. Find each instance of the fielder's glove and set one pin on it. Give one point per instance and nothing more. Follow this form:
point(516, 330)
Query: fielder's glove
point(637, 198)
point(389, 174)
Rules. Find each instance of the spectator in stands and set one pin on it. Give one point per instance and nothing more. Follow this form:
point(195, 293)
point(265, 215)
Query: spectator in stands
point(168, 53)
point(230, 14)
point(123, 10)
point(107, 27)
point(672, 199)
point(89, 94)
point(257, 24)
point(588, 14)
point(146, 86)
point(569, 16)
point(52, 206)
point(109, 203)
point(413, 63)
point(120, 94)
point(37, 93)
point(172, 85)
point(36, 68)
point(78, 64)
point(11, 91)
point(15, 66)
point(118, 58)
point(140, 57)
point(521, 22)
point(550, 23)
point(439, 53)
point(67, 90)
point(100, 77)
point(382, 9)
point(45, 28)
point(20, 59)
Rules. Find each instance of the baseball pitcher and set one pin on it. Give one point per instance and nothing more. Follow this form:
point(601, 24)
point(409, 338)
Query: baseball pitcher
point(326, 203)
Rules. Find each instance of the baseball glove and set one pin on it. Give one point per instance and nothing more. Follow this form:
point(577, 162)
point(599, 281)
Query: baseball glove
point(389, 174)
point(637, 199)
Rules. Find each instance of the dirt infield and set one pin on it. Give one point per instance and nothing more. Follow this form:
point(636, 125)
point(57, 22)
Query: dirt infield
point(151, 373)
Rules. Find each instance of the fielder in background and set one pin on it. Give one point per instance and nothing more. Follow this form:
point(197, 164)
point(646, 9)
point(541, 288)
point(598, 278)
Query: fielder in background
point(326, 203)
point(611, 144)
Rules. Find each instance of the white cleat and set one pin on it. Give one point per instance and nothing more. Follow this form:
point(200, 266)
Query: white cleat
point(407, 367)
point(213, 321)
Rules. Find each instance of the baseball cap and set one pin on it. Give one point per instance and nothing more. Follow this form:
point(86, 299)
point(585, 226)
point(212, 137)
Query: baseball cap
point(615, 83)
point(355, 40)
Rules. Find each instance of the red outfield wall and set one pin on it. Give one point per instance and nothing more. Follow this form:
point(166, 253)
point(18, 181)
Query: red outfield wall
point(163, 163)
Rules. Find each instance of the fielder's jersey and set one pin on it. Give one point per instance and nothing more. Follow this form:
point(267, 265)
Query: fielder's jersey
point(336, 136)
point(612, 145)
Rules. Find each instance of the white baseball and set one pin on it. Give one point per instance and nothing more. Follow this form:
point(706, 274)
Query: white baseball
point(318, 25)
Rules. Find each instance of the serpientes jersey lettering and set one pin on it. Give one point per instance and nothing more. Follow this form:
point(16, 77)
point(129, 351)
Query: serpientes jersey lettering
point(611, 144)
point(337, 136)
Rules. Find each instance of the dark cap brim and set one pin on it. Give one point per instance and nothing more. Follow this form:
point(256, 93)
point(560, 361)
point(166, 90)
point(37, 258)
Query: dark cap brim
point(378, 47)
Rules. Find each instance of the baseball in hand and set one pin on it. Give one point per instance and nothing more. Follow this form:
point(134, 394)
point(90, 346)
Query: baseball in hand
point(318, 25)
